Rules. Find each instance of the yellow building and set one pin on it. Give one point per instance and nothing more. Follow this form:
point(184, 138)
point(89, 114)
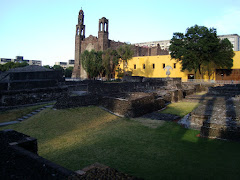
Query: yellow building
point(160, 66)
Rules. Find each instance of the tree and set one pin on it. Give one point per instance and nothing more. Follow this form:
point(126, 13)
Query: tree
point(201, 50)
point(58, 67)
point(68, 72)
point(110, 61)
point(125, 53)
point(92, 63)
point(10, 65)
point(47, 66)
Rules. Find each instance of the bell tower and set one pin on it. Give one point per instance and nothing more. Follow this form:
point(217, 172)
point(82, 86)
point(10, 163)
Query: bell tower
point(103, 41)
point(79, 37)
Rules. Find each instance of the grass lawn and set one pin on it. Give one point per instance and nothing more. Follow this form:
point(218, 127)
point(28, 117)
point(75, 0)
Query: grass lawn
point(12, 115)
point(201, 93)
point(180, 108)
point(78, 137)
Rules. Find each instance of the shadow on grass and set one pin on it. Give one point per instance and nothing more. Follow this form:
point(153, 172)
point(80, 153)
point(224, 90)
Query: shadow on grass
point(167, 152)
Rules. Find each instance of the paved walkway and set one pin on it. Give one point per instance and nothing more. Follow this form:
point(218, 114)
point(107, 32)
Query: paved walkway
point(25, 116)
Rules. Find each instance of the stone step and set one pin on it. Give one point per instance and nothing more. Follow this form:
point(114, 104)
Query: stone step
point(8, 123)
point(48, 106)
point(220, 133)
point(20, 119)
point(25, 117)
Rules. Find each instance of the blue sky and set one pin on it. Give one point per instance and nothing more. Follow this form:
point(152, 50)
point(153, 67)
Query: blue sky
point(45, 29)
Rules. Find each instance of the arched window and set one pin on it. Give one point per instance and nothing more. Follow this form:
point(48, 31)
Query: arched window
point(105, 27)
point(78, 31)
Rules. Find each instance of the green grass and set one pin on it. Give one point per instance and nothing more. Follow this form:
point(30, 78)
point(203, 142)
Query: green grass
point(180, 108)
point(201, 93)
point(78, 137)
point(12, 115)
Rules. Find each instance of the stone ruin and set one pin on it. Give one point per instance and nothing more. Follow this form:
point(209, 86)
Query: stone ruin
point(218, 115)
point(133, 98)
point(29, 85)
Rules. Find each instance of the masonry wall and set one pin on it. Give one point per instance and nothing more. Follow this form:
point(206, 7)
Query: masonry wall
point(19, 159)
point(22, 97)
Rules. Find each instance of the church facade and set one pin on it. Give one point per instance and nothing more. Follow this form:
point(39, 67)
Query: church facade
point(101, 43)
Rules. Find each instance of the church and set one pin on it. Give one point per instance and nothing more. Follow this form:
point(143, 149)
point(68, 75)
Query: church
point(102, 43)
point(152, 62)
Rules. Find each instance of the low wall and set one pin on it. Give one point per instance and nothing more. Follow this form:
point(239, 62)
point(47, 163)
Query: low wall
point(221, 131)
point(112, 88)
point(77, 101)
point(227, 90)
point(133, 107)
point(19, 159)
point(22, 97)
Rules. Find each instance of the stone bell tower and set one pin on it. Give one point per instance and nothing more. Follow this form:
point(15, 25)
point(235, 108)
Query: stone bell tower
point(103, 41)
point(79, 37)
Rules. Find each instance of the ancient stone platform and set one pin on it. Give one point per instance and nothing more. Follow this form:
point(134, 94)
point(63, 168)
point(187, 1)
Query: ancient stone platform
point(133, 104)
point(218, 116)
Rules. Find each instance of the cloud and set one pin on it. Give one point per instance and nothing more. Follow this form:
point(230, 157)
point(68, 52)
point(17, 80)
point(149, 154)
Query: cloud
point(228, 23)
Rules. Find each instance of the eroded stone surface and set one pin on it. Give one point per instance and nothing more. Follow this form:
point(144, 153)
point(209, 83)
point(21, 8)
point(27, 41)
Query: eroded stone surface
point(218, 116)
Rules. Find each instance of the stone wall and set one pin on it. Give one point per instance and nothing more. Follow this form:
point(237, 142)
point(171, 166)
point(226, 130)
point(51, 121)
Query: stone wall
point(134, 86)
point(19, 159)
point(22, 97)
point(133, 105)
point(77, 101)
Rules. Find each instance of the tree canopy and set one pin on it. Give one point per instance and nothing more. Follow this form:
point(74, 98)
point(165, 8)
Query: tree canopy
point(98, 63)
point(110, 61)
point(68, 72)
point(92, 63)
point(10, 65)
point(201, 50)
point(57, 67)
point(125, 53)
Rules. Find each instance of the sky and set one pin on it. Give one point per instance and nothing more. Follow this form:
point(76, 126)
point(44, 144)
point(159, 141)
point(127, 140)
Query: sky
point(45, 29)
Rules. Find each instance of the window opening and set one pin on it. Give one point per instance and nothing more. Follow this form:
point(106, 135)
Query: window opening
point(163, 65)
point(105, 27)
point(143, 66)
point(153, 66)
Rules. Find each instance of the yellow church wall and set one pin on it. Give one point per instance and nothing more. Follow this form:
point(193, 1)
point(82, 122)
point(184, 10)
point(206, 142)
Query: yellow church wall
point(154, 67)
point(236, 60)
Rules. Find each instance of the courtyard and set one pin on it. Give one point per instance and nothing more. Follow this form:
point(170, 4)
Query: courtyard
point(78, 137)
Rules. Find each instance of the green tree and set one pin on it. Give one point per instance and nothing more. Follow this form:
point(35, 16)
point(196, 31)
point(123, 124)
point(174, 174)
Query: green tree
point(201, 50)
point(110, 61)
point(58, 67)
point(10, 65)
point(92, 63)
point(125, 53)
point(47, 66)
point(68, 72)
